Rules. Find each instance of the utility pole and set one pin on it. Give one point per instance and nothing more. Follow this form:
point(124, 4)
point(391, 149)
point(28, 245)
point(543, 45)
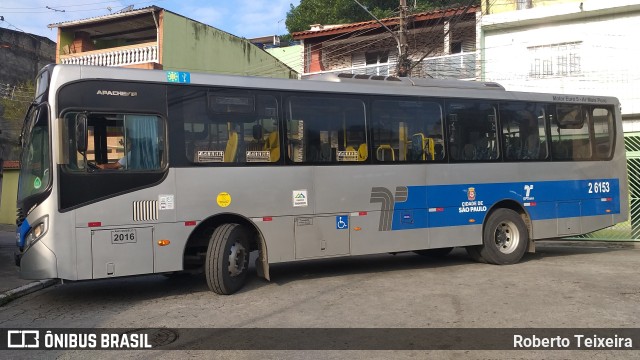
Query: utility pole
point(404, 65)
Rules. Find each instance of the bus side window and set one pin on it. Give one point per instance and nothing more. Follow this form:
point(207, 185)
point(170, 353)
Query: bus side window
point(472, 131)
point(331, 130)
point(570, 133)
point(603, 131)
point(523, 131)
point(407, 131)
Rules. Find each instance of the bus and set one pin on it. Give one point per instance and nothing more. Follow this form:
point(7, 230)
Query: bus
point(128, 171)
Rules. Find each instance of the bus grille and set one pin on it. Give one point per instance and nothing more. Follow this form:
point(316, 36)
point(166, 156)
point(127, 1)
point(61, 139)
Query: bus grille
point(145, 210)
point(19, 216)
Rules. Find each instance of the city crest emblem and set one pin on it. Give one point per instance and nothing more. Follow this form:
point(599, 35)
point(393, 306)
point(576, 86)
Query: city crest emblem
point(471, 194)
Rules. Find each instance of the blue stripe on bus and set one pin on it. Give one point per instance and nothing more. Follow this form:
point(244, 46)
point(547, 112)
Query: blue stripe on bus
point(467, 204)
point(22, 230)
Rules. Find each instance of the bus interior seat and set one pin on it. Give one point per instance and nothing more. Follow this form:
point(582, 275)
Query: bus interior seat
point(581, 149)
point(469, 152)
point(273, 146)
point(232, 147)
point(438, 151)
point(191, 151)
point(513, 148)
point(453, 152)
point(319, 152)
point(483, 148)
point(560, 150)
point(363, 152)
point(384, 152)
point(258, 134)
point(417, 150)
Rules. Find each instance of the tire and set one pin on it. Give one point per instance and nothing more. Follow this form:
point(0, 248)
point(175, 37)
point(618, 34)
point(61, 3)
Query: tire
point(439, 252)
point(504, 240)
point(227, 261)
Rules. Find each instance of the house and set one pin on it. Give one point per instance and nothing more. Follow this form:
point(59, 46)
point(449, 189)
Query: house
point(580, 47)
point(156, 38)
point(289, 52)
point(442, 44)
point(583, 47)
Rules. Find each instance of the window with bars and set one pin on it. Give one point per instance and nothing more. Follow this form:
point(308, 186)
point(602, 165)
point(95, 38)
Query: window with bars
point(555, 60)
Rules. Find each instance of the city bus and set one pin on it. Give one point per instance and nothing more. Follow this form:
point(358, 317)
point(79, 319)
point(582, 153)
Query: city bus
point(129, 171)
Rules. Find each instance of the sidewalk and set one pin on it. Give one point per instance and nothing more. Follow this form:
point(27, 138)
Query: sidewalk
point(11, 285)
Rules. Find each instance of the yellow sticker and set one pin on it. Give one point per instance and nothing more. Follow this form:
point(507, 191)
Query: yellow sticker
point(224, 199)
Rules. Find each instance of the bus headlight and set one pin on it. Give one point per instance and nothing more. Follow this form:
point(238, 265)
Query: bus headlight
point(37, 231)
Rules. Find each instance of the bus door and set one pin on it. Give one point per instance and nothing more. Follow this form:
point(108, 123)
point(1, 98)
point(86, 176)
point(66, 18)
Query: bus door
point(109, 156)
point(326, 136)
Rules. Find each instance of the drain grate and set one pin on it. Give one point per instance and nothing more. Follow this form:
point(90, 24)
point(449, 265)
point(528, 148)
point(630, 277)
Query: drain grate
point(157, 337)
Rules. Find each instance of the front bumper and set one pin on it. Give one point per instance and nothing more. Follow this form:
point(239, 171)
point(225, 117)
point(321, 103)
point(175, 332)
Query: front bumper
point(38, 262)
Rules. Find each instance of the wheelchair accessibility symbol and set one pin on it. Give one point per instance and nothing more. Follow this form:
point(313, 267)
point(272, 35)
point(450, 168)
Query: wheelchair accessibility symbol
point(342, 222)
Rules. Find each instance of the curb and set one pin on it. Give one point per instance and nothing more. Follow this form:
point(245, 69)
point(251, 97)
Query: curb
point(23, 290)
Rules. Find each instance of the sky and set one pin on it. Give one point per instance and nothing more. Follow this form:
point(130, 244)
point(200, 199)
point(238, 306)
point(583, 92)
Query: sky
point(244, 18)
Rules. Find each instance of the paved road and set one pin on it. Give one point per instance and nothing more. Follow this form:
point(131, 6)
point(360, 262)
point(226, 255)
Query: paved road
point(561, 286)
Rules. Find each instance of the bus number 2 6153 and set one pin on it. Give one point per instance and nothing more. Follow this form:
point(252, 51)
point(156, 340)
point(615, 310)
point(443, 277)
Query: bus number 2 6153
point(598, 187)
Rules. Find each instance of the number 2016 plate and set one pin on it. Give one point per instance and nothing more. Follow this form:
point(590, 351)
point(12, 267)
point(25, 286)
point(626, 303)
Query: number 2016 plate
point(123, 236)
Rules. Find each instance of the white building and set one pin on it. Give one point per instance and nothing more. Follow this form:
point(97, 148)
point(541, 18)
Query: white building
point(583, 47)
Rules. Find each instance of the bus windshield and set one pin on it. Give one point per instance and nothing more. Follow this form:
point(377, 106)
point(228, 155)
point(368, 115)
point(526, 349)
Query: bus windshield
point(35, 158)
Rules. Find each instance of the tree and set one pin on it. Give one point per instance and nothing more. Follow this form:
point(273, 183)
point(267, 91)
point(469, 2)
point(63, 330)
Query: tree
point(14, 102)
point(310, 12)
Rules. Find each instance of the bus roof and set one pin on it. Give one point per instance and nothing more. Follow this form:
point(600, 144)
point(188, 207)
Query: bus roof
point(346, 83)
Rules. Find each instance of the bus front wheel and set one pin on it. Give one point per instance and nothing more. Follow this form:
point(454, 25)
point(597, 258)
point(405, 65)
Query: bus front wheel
point(227, 260)
point(504, 241)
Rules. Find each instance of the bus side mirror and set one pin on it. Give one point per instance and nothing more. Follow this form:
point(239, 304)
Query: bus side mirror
point(81, 132)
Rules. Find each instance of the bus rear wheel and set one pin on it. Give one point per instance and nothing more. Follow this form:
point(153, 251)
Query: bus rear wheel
point(504, 241)
point(227, 260)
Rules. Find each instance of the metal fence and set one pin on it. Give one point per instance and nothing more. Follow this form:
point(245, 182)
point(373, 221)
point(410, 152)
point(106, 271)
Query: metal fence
point(458, 66)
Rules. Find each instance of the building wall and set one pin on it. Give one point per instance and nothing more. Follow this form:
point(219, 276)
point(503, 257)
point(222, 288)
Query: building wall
point(192, 46)
point(607, 52)
point(494, 7)
point(8, 206)
point(290, 55)
point(23, 55)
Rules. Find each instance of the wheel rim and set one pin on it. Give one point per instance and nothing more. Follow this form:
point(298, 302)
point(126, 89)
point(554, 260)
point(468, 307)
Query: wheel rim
point(506, 237)
point(237, 254)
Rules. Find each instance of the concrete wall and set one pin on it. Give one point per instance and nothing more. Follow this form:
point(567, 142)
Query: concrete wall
point(608, 50)
point(494, 7)
point(8, 202)
point(23, 55)
point(192, 46)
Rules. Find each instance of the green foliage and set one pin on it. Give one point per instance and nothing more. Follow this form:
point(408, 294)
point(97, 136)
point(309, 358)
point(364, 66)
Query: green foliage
point(309, 12)
point(14, 103)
